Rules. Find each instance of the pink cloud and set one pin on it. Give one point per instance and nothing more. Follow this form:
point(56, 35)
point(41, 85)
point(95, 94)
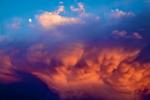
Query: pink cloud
point(15, 24)
point(60, 9)
point(125, 34)
point(51, 20)
point(119, 13)
point(119, 33)
point(80, 9)
point(137, 35)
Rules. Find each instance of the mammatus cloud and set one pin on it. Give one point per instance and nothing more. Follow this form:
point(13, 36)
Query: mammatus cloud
point(87, 63)
point(94, 70)
point(80, 70)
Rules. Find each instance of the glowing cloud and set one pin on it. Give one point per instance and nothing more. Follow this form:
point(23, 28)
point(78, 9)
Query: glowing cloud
point(53, 19)
point(96, 69)
point(97, 59)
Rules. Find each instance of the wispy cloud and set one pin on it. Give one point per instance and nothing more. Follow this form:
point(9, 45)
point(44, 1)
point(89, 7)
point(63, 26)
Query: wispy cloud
point(117, 13)
point(80, 9)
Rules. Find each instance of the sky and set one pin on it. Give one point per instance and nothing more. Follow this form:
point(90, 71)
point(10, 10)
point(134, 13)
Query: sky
point(27, 8)
point(75, 49)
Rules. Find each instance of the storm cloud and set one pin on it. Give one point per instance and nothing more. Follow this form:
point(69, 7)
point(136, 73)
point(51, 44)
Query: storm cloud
point(81, 56)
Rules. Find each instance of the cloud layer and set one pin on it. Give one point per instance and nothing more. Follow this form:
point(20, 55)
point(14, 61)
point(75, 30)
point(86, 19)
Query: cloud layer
point(80, 56)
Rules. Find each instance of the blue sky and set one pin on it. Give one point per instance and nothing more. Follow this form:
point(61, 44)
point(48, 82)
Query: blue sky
point(15, 8)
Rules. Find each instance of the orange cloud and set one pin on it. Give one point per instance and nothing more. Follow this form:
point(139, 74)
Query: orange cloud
point(81, 70)
point(7, 74)
point(50, 20)
point(94, 70)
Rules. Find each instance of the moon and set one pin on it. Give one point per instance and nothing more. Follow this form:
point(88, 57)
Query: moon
point(30, 20)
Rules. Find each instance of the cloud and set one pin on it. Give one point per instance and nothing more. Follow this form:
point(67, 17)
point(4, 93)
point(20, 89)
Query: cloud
point(127, 35)
point(80, 69)
point(80, 9)
point(15, 24)
point(119, 13)
point(7, 74)
point(35, 54)
point(137, 35)
point(53, 19)
point(60, 9)
point(96, 69)
point(50, 20)
point(120, 33)
point(96, 59)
